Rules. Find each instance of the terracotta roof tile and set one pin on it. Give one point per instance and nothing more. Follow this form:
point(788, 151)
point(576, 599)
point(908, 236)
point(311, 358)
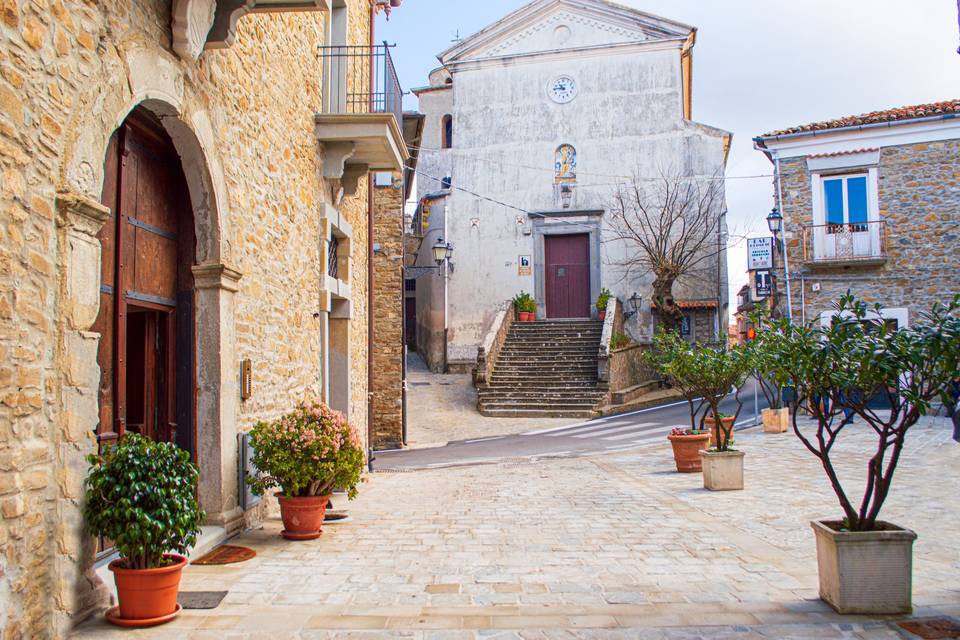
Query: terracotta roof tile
point(888, 115)
point(692, 304)
point(835, 154)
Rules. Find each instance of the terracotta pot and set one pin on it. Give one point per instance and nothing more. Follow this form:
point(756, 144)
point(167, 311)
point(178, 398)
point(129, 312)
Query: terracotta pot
point(602, 315)
point(711, 424)
point(686, 451)
point(527, 316)
point(148, 594)
point(302, 516)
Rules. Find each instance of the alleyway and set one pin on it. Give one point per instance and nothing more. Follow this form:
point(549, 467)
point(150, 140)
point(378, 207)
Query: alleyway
point(606, 546)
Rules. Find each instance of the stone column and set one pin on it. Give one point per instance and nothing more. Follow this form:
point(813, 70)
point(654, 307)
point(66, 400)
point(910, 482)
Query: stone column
point(217, 393)
point(77, 590)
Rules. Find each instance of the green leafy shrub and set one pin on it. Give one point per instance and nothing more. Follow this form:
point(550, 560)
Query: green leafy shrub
point(603, 299)
point(837, 370)
point(524, 302)
point(308, 452)
point(702, 372)
point(141, 495)
point(619, 340)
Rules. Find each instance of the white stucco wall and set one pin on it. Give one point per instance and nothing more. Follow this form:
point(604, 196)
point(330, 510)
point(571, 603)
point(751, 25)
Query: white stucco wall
point(627, 118)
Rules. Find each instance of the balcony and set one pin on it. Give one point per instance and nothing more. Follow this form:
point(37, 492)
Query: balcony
point(359, 128)
point(859, 243)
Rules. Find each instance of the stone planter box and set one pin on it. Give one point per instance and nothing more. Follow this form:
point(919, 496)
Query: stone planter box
point(776, 420)
point(865, 572)
point(722, 470)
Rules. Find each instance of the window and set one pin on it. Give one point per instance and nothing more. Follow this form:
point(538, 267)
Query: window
point(447, 132)
point(845, 202)
point(333, 258)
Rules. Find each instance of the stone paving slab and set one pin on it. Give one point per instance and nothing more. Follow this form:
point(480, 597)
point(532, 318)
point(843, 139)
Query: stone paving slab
point(615, 546)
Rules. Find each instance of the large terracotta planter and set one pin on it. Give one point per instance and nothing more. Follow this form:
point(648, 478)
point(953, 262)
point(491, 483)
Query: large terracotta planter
point(686, 451)
point(722, 470)
point(711, 423)
point(527, 316)
point(302, 516)
point(776, 420)
point(865, 572)
point(147, 596)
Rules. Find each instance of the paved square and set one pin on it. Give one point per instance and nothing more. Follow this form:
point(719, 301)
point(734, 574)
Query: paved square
point(611, 546)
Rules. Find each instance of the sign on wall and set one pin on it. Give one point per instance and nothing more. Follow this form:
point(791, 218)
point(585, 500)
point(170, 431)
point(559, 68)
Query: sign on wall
point(762, 283)
point(523, 266)
point(759, 253)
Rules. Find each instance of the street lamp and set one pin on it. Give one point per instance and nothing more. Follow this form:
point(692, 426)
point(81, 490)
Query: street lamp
point(775, 223)
point(634, 302)
point(442, 251)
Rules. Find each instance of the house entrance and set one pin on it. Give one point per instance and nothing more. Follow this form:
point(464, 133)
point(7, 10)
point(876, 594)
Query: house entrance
point(567, 274)
point(146, 353)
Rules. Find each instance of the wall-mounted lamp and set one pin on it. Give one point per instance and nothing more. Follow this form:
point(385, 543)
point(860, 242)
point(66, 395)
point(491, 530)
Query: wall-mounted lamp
point(442, 252)
point(566, 195)
point(634, 303)
point(775, 222)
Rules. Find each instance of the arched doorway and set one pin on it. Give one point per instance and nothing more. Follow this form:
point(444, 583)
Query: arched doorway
point(146, 318)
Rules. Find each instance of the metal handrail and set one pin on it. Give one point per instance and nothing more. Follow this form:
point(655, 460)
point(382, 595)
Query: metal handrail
point(361, 79)
point(845, 242)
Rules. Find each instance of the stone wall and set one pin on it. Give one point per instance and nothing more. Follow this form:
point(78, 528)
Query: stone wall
point(388, 309)
point(70, 71)
point(919, 197)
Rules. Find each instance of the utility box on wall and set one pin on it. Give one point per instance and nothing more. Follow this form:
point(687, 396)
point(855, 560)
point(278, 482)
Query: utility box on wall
point(248, 499)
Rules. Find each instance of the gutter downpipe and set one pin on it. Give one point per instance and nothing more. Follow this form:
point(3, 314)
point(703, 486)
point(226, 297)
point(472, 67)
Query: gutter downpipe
point(786, 257)
point(370, 336)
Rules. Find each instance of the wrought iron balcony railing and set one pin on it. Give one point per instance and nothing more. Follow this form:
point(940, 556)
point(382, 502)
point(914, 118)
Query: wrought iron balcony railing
point(361, 79)
point(844, 243)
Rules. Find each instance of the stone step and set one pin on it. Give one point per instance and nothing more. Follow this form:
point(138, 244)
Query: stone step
point(534, 367)
point(552, 376)
point(547, 359)
point(536, 413)
point(551, 406)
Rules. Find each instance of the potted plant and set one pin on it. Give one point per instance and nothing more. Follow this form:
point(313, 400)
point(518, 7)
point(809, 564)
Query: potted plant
point(602, 300)
point(526, 307)
point(687, 444)
point(307, 453)
point(672, 357)
point(865, 564)
point(776, 417)
point(141, 495)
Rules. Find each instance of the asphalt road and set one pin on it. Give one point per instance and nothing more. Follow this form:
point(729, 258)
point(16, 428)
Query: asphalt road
point(609, 434)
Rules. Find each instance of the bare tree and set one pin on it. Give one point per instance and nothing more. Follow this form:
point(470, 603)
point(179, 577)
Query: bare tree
point(673, 223)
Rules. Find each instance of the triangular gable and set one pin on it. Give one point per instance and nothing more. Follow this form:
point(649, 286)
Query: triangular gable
point(549, 25)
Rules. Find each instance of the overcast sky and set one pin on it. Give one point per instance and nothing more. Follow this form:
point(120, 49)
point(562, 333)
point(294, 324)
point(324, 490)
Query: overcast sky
point(759, 65)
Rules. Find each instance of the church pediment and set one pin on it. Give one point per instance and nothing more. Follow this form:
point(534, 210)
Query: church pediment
point(551, 25)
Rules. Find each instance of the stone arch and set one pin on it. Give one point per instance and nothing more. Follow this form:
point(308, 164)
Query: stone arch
point(155, 81)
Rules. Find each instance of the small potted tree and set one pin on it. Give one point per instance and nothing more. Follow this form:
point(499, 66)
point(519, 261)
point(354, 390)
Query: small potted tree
point(673, 357)
point(140, 494)
point(602, 300)
point(307, 453)
point(776, 417)
point(865, 564)
point(712, 374)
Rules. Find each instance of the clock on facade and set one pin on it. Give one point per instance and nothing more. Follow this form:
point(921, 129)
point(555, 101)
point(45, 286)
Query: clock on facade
point(563, 89)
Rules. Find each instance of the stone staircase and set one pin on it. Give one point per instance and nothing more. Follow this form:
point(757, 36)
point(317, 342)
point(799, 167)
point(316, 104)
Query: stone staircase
point(545, 369)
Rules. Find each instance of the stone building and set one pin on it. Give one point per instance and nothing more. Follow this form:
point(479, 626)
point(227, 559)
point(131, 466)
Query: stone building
point(185, 198)
point(531, 123)
point(871, 204)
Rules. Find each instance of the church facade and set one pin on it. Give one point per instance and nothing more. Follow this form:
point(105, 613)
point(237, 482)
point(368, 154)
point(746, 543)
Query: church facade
point(531, 125)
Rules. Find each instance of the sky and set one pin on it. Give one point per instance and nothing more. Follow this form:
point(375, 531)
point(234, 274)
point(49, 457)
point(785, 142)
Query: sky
point(759, 66)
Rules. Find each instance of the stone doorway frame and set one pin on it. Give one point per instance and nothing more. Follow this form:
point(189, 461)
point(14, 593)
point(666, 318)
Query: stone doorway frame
point(565, 222)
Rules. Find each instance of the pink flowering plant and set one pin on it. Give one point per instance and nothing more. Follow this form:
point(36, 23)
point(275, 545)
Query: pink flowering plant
point(308, 452)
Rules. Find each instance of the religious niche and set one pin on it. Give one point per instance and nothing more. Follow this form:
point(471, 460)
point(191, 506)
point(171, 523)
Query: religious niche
point(565, 164)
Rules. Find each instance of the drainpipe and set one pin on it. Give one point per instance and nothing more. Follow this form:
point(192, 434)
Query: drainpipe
point(370, 282)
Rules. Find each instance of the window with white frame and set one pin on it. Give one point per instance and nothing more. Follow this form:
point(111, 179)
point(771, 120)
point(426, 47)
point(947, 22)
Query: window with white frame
point(846, 201)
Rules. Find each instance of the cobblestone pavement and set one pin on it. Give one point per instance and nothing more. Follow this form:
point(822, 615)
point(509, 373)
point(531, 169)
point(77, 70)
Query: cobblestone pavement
point(615, 546)
point(442, 408)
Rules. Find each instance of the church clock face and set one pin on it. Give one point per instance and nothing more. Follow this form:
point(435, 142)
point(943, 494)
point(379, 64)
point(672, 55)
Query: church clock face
point(562, 90)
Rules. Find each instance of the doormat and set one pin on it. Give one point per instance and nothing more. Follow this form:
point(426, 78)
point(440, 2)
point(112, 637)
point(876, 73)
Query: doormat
point(201, 599)
point(932, 628)
point(226, 554)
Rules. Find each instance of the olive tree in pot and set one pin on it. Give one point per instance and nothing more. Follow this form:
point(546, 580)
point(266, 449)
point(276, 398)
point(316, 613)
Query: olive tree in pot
point(672, 357)
point(141, 495)
point(776, 417)
point(307, 453)
point(865, 564)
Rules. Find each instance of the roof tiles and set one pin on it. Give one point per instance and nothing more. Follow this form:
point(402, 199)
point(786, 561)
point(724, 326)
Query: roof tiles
point(888, 115)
